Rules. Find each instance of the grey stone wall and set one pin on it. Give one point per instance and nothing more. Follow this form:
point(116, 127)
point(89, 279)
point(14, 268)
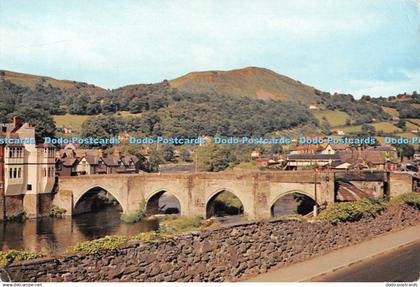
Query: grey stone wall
point(227, 253)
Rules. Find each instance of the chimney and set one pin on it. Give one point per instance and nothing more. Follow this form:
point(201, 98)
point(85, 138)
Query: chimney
point(117, 153)
point(17, 122)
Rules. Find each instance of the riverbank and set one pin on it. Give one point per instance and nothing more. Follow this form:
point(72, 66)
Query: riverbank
point(311, 269)
point(227, 253)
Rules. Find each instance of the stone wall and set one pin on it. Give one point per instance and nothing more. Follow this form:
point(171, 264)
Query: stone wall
point(44, 203)
point(227, 253)
point(13, 205)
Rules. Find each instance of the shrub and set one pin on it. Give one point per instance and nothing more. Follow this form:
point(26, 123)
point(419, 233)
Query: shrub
point(410, 198)
point(352, 211)
point(181, 223)
point(9, 256)
point(19, 217)
point(56, 212)
point(137, 216)
point(113, 242)
point(292, 217)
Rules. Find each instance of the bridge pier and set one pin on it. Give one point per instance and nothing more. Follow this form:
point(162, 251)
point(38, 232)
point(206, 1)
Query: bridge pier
point(256, 190)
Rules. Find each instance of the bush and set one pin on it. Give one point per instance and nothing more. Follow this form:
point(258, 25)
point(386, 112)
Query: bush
point(9, 256)
point(113, 242)
point(180, 224)
point(137, 216)
point(56, 212)
point(410, 198)
point(352, 211)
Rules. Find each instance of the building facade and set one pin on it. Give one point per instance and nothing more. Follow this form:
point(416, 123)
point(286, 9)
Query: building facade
point(27, 170)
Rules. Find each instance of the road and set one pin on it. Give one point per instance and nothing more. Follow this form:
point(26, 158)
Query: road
point(395, 255)
point(401, 265)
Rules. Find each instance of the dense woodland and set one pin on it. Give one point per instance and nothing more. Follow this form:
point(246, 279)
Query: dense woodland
point(169, 112)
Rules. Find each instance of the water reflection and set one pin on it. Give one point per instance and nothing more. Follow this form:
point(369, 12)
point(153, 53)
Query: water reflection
point(54, 235)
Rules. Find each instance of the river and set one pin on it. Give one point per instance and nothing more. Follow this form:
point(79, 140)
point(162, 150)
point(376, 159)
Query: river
point(54, 235)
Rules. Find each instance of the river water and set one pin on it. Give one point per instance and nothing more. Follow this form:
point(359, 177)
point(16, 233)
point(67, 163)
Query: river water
point(54, 235)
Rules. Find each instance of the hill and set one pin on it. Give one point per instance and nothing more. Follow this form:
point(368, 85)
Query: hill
point(252, 82)
point(31, 81)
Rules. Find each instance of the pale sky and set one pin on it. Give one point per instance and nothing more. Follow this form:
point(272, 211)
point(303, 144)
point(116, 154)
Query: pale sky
point(359, 47)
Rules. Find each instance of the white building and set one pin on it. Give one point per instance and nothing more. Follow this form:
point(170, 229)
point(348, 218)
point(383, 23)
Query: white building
point(29, 170)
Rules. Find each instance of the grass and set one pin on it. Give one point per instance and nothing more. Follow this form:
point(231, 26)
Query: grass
point(410, 126)
point(334, 118)
point(351, 211)
point(173, 224)
point(72, 121)
point(251, 165)
point(135, 216)
point(127, 114)
point(414, 121)
point(9, 256)
point(386, 127)
point(391, 111)
point(114, 242)
point(410, 198)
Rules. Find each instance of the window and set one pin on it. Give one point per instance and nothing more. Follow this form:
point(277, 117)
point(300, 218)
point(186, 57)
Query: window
point(19, 173)
point(29, 187)
point(14, 172)
point(10, 173)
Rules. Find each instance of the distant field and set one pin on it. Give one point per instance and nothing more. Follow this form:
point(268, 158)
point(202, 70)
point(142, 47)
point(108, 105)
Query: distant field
point(391, 111)
point(386, 127)
point(126, 114)
point(414, 121)
point(411, 126)
point(72, 121)
point(381, 126)
point(76, 121)
point(334, 118)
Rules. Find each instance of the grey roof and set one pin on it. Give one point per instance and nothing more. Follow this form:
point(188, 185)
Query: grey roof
point(314, 156)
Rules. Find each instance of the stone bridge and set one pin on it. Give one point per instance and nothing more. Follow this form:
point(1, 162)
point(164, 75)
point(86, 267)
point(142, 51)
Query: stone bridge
point(257, 190)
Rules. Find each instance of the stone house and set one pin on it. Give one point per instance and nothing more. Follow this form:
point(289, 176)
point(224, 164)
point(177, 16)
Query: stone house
point(27, 170)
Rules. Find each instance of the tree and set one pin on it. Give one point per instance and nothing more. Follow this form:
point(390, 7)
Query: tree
point(368, 130)
point(215, 157)
point(401, 124)
point(155, 159)
point(185, 155)
point(44, 124)
point(102, 127)
point(168, 152)
point(276, 149)
point(405, 150)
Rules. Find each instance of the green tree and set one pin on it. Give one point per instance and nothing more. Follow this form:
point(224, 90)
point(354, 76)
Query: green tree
point(168, 152)
point(215, 157)
point(155, 159)
point(368, 130)
point(44, 124)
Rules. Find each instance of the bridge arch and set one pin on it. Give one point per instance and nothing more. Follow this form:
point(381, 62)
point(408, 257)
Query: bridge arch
point(213, 195)
point(151, 202)
point(86, 190)
point(290, 192)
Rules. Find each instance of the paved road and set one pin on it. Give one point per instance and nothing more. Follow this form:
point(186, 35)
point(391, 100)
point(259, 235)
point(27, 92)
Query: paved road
point(344, 257)
point(402, 265)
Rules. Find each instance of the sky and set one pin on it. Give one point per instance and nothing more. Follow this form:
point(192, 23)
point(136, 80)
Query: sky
point(359, 47)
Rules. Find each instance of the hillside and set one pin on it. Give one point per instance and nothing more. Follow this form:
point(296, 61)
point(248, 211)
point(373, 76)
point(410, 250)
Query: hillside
point(30, 81)
point(253, 82)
